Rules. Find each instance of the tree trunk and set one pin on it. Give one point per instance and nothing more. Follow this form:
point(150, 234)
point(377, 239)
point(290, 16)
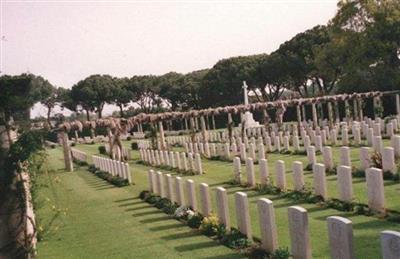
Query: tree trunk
point(48, 117)
point(121, 111)
point(99, 111)
point(87, 115)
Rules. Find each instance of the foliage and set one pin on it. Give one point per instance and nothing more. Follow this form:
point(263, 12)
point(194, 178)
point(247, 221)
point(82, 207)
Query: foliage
point(235, 239)
point(102, 150)
point(376, 160)
point(134, 146)
point(113, 179)
point(194, 220)
point(209, 225)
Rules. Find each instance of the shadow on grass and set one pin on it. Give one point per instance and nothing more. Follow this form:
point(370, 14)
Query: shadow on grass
point(154, 219)
point(225, 256)
point(128, 199)
point(139, 208)
point(131, 203)
point(146, 213)
point(191, 247)
point(186, 234)
point(166, 227)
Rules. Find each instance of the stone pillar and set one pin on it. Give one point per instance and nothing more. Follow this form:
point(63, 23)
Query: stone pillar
point(395, 141)
point(280, 175)
point(327, 155)
point(236, 169)
point(298, 176)
point(222, 207)
point(191, 191)
point(252, 151)
point(203, 129)
point(319, 175)
point(178, 161)
point(170, 187)
point(162, 136)
point(345, 158)
point(251, 180)
point(375, 191)
point(205, 199)
point(340, 232)
point(160, 185)
point(390, 243)
point(314, 115)
point(264, 175)
point(377, 144)
point(365, 157)
point(243, 215)
point(345, 184)
point(199, 168)
point(243, 154)
point(150, 179)
point(299, 236)
point(311, 155)
point(388, 161)
point(345, 136)
point(69, 167)
point(269, 236)
point(179, 192)
point(184, 162)
point(261, 151)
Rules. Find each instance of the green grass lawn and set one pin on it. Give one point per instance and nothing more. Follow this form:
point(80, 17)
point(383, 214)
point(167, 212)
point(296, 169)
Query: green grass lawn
point(85, 217)
point(102, 207)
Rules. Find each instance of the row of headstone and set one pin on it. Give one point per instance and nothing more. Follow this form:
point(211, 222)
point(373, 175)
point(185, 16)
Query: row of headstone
point(340, 229)
point(181, 161)
point(374, 180)
point(113, 167)
point(78, 155)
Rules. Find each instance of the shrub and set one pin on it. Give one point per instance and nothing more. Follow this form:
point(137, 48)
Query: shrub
point(144, 195)
point(92, 168)
point(236, 240)
point(376, 160)
point(209, 225)
point(153, 199)
point(129, 138)
point(170, 208)
point(194, 220)
point(102, 150)
point(134, 146)
point(281, 253)
point(182, 212)
point(161, 203)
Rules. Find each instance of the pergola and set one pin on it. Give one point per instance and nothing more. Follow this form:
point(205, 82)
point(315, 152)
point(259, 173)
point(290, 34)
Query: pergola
point(117, 126)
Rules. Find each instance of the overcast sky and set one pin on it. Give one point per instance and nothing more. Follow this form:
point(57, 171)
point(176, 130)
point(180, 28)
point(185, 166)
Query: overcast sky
point(66, 41)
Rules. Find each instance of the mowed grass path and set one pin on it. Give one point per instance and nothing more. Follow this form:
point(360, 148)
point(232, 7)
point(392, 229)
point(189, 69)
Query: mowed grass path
point(85, 217)
point(366, 229)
